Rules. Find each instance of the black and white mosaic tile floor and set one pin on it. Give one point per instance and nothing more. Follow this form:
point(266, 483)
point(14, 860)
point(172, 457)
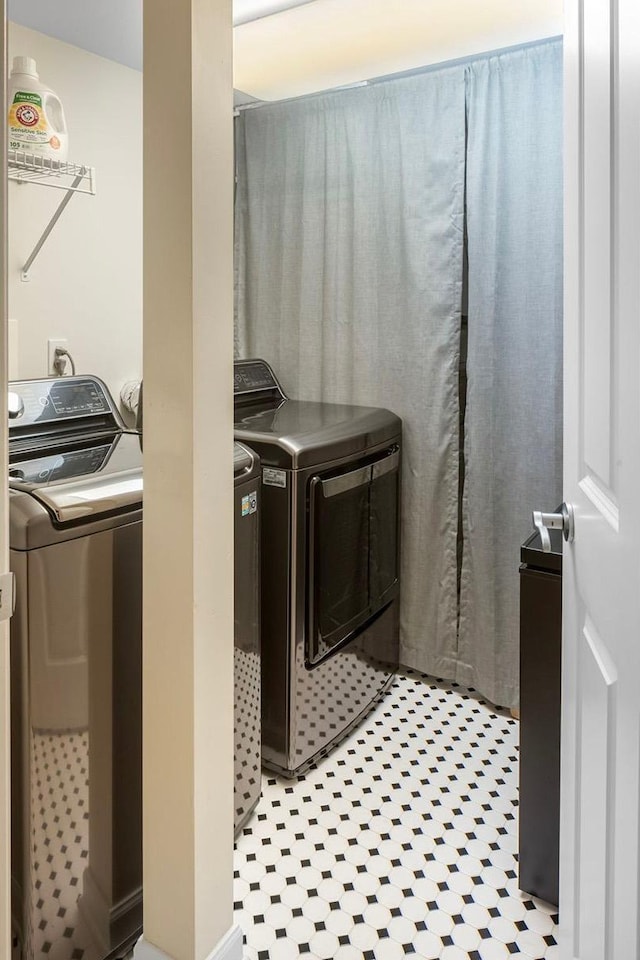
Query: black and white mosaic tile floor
point(59, 835)
point(402, 842)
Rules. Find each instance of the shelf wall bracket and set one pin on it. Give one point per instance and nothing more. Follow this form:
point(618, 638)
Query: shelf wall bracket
point(52, 222)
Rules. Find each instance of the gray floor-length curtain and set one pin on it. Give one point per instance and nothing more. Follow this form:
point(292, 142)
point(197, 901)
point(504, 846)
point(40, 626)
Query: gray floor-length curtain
point(349, 270)
point(513, 436)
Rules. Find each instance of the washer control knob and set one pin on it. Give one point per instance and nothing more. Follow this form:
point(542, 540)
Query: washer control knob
point(16, 405)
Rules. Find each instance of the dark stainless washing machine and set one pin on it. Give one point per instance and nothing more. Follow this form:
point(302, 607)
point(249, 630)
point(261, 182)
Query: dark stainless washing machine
point(76, 486)
point(247, 716)
point(247, 721)
point(76, 722)
point(330, 561)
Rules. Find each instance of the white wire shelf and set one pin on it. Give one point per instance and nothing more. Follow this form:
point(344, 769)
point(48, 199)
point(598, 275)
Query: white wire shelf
point(29, 168)
point(71, 177)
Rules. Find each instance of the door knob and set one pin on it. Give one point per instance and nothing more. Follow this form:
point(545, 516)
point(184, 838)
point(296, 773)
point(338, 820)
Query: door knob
point(543, 522)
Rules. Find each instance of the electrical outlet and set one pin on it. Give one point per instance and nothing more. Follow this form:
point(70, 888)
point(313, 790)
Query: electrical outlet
point(51, 355)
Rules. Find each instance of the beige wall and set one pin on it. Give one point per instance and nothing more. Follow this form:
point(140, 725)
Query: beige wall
point(188, 527)
point(86, 284)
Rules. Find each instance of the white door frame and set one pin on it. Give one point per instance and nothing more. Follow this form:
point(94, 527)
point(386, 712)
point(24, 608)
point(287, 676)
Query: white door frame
point(5, 733)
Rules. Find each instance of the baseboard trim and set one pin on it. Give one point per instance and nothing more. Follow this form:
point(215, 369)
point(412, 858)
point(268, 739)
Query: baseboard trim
point(229, 948)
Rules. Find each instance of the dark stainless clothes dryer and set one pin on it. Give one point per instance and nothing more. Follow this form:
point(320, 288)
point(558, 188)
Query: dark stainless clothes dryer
point(330, 561)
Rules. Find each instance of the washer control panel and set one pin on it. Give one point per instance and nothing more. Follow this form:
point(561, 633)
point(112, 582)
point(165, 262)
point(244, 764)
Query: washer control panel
point(59, 399)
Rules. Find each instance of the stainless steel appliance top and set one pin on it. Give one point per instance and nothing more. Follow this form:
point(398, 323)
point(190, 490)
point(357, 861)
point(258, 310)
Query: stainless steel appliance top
point(68, 449)
point(71, 460)
point(83, 481)
point(297, 433)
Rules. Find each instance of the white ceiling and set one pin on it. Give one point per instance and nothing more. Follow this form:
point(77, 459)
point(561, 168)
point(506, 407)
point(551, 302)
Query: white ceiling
point(110, 28)
point(246, 10)
point(113, 28)
point(286, 48)
point(334, 43)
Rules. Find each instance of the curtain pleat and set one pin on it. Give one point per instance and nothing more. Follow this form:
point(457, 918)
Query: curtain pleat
point(513, 434)
point(350, 226)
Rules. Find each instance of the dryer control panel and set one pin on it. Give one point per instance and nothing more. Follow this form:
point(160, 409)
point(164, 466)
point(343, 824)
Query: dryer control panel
point(254, 376)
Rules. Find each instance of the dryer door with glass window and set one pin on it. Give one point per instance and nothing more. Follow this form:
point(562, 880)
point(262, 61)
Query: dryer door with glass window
point(353, 549)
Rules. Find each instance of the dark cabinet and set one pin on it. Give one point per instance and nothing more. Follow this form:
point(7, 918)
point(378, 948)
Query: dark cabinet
point(540, 683)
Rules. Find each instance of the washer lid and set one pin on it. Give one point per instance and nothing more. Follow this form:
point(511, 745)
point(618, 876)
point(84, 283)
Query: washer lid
point(83, 481)
point(297, 433)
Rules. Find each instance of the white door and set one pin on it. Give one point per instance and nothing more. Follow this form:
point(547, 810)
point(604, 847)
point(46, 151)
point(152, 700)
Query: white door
point(599, 913)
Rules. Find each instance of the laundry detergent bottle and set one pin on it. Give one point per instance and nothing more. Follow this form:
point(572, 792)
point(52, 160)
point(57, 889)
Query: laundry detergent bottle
point(37, 123)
